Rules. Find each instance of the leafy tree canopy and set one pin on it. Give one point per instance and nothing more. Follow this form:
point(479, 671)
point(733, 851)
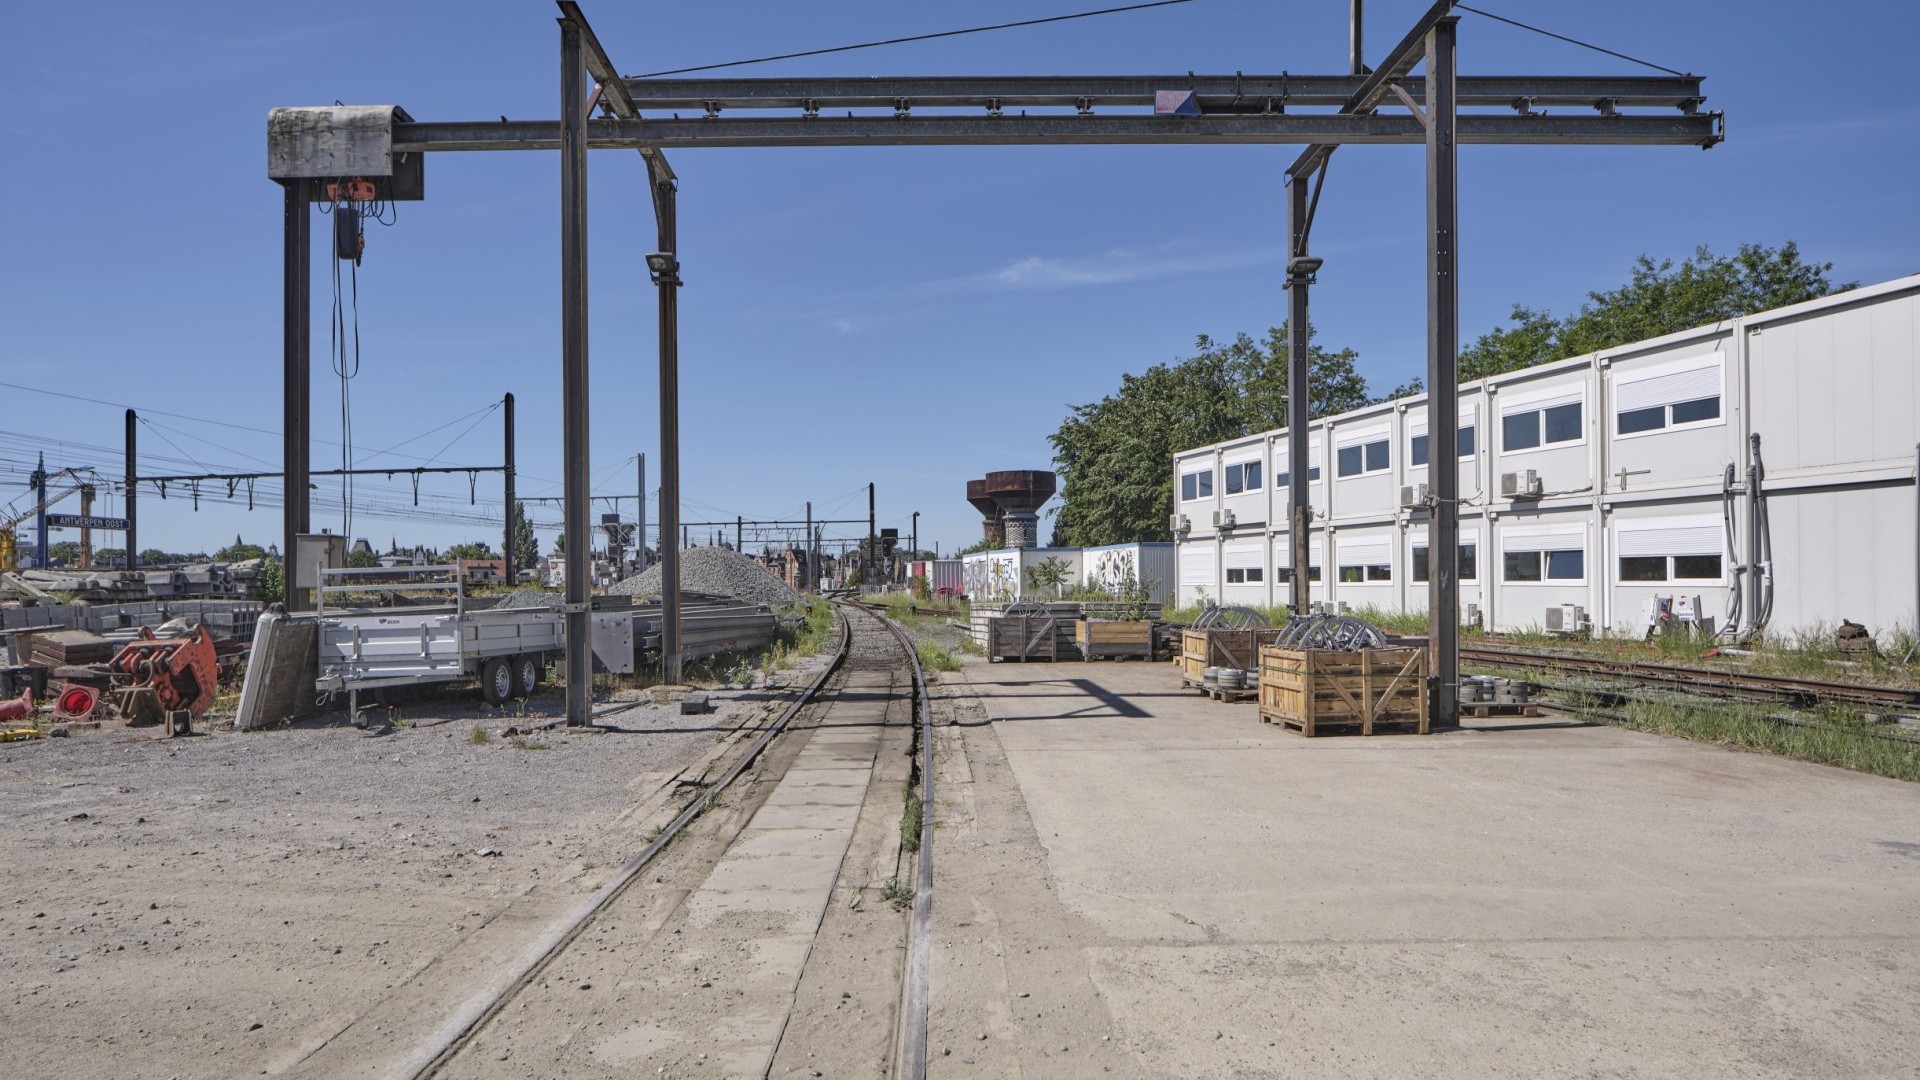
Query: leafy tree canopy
point(1659, 298)
point(1112, 455)
point(478, 549)
point(239, 551)
point(526, 546)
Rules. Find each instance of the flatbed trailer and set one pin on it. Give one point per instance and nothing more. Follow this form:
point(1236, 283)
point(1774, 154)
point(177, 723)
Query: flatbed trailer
point(371, 648)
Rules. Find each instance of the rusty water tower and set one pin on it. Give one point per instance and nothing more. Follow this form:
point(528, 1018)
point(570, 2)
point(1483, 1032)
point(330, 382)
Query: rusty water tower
point(1010, 502)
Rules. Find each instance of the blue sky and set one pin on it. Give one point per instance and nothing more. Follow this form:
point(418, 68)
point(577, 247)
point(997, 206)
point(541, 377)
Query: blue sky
point(913, 317)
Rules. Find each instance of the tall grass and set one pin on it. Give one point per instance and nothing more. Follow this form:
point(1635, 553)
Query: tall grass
point(1835, 738)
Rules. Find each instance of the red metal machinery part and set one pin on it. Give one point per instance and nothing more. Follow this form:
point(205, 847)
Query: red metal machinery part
point(15, 708)
point(154, 676)
point(76, 702)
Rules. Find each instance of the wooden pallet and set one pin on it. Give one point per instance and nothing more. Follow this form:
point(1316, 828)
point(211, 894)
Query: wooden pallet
point(1229, 696)
point(1482, 710)
point(1351, 727)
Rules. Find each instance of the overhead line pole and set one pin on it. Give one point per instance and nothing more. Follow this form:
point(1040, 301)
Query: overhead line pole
point(507, 549)
point(640, 516)
point(296, 360)
point(573, 349)
point(1443, 375)
point(133, 468)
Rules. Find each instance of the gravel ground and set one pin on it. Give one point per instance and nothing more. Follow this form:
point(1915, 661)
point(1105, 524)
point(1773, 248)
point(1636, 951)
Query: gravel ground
point(222, 904)
point(718, 571)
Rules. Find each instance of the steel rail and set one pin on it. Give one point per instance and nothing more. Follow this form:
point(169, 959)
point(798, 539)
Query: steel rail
point(1719, 683)
point(911, 1055)
point(440, 1049)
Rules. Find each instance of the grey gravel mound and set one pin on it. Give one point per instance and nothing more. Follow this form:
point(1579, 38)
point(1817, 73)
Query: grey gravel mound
point(525, 598)
point(715, 570)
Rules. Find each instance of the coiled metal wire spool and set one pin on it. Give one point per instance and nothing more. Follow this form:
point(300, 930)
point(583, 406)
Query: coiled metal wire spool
point(1231, 617)
point(1340, 633)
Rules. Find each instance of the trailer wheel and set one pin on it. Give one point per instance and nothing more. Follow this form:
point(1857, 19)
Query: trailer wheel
point(526, 674)
point(496, 681)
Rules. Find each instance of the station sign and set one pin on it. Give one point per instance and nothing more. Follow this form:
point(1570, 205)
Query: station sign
point(85, 521)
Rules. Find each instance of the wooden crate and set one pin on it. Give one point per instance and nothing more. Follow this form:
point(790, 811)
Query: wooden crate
point(1316, 689)
point(1023, 637)
point(1103, 638)
point(1202, 649)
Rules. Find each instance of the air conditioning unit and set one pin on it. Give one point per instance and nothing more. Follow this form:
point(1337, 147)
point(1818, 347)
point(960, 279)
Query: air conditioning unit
point(1223, 519)
point(1413, 497)
point(1178, 523)
point(1521, 485)
point(1567, 619)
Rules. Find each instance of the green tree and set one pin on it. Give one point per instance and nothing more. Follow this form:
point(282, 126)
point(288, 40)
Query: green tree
point(478, 549)
point(526, 546)
point(1113, 455)
point(239, 551)
point(271, 585)
point(1659, 298)
point(362, 560)
point(64, 552)
point(155, 557)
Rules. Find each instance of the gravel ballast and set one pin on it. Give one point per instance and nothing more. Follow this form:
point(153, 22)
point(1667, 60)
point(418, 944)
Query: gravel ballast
point(718, 571)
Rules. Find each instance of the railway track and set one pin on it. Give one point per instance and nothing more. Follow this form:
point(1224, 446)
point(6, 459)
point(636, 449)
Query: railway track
point(1717, 682)
point(844, 716)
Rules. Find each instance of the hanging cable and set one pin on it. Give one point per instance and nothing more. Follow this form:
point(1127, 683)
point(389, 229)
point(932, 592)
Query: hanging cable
point(916, 37)
point(1572, 41)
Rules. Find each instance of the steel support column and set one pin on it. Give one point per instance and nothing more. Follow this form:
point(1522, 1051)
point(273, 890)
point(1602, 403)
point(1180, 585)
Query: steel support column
point(873, 543)
point(296, 359)
point(1299, 468)
point(1443, 375)
point(809, 579)
point(573, 352)
point(666, 215)
point(640, 519)
point(133, 484)
point(507, 553)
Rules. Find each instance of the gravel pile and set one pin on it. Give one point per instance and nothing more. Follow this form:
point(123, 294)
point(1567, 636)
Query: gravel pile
point(522, 598)
point(718, 571)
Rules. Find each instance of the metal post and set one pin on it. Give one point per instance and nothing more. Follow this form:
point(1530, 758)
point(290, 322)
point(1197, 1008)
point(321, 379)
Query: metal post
point(133, 473)
point(38, 481)
point(513, 567)
point(666, 214)
point(873, 543)
point(739, 535)
point(86, 534)
point(1443, 376)
point(1299, 470)
point(640, 517)
point(913, 546)
point(296, 288)
point(810, 580)
point(1355, 46)
point(1756, 588)
point(573, 340)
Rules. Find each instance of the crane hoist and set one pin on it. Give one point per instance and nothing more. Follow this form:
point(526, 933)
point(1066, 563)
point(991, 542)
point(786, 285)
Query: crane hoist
point(77, 480)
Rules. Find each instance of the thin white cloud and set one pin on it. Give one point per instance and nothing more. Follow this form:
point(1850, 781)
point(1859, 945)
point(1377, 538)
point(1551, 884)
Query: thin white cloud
point(1113, 267)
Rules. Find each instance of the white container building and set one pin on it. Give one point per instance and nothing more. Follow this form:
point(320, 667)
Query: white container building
point(1604, 480)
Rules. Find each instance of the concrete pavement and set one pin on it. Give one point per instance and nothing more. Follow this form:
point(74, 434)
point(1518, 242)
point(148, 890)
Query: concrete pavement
point(1215, 896)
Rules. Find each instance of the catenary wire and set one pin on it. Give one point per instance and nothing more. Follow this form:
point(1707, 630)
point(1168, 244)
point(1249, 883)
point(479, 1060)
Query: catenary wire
point(915, 37)
point(1572, 40)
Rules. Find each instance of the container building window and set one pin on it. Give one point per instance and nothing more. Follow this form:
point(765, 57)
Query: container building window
point(1361, 458)
point(1244, 476)
point(1418, 451)
point(1196, 485)
point(1244, 575)
point(1530, 428)
point(1560, 564)
point(1669, 397)
point(1469, 562)
point(1284, 575)
point(1643, 568)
